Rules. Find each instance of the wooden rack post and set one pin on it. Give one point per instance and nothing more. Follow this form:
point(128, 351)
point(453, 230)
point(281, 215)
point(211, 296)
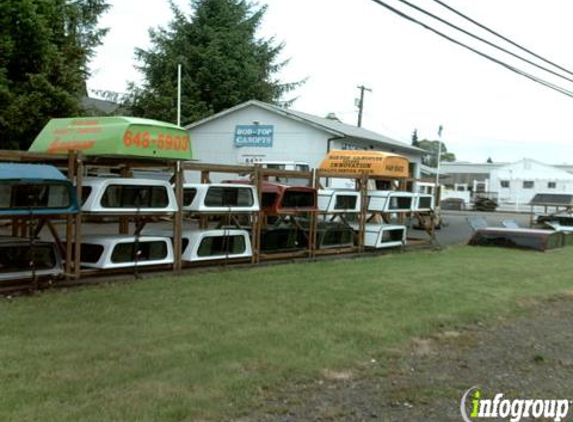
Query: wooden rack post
point(125, 171)
point(358, 184)
point(79, 170)
point(204, 219)
point(257, 216)
point(178, 217)
point(363, 184)
point(70, 220)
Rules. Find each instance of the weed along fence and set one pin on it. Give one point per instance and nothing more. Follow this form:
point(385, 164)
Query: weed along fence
point(82, 213)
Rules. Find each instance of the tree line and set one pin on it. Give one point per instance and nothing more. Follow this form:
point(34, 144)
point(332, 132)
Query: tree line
point(433, 149)
point(45, 48)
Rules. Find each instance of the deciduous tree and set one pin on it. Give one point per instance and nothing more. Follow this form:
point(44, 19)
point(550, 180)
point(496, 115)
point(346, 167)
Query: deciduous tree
point(431, 158)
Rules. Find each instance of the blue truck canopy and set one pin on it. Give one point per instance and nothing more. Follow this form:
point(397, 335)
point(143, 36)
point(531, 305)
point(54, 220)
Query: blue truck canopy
point(35, 189)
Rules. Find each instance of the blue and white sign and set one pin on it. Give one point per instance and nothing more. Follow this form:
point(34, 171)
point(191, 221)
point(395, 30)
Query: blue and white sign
point(254, 136)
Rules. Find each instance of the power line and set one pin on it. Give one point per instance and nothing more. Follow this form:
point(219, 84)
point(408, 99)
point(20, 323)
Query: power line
point(497, 34)
point(491, 44)
point(484, 55)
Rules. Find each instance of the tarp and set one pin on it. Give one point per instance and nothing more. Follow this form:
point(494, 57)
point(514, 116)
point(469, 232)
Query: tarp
point(375, 163)
point(540, 240)
point(114, 136)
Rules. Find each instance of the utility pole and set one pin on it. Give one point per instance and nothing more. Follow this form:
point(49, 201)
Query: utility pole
point(362, 88)
point(178, 95)
point(439, 160)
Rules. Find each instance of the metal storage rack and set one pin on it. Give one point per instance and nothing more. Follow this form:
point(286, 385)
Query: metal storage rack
point(231, 218)
point(287, 216)
point(76, 165)
point(72, 163)
point(361, 186)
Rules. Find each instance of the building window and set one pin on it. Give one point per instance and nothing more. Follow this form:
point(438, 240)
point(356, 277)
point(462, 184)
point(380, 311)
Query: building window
point(551, 185)
point(504, 183)
point(528, 184)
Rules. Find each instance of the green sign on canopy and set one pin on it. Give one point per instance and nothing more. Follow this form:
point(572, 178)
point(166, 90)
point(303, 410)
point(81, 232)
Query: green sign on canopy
point(114, 136)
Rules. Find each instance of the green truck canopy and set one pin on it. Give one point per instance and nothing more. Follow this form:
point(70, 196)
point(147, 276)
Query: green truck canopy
point(114, 136)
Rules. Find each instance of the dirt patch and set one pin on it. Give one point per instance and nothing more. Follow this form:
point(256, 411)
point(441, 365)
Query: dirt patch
point(530, 357)
point(423, 347)
point(336, 375)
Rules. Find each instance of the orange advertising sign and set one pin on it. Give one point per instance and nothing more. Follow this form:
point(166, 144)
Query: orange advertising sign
point(374, 163)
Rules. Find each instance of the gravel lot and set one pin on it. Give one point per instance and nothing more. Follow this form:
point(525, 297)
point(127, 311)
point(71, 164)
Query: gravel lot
point(528, 357)
point(424, 381)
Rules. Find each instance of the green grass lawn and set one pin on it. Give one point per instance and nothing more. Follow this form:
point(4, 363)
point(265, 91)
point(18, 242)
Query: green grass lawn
point(205, 346)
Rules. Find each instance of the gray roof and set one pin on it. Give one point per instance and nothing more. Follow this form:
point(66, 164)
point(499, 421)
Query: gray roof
point(328, 125)
point(98, 105)
point(432, 171)
point(464, 167)
point(552, 199)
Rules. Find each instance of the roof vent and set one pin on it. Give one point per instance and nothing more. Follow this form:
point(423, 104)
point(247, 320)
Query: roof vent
point(332, 116)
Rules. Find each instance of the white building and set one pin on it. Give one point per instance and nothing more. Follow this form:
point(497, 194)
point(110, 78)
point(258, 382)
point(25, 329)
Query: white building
point(512, 184)
point(517, 183)
point(259, 132)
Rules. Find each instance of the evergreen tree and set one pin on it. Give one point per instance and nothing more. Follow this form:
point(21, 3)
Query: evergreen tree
point(415, 142)
point(45, 47)
point(223, 63)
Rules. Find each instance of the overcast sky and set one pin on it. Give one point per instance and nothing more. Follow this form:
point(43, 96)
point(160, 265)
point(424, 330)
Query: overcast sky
point(418, 80)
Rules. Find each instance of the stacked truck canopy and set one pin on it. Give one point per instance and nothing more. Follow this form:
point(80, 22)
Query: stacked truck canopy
point(35, 189)
point(114, 136)
point(127, 196)
point(220, 197)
